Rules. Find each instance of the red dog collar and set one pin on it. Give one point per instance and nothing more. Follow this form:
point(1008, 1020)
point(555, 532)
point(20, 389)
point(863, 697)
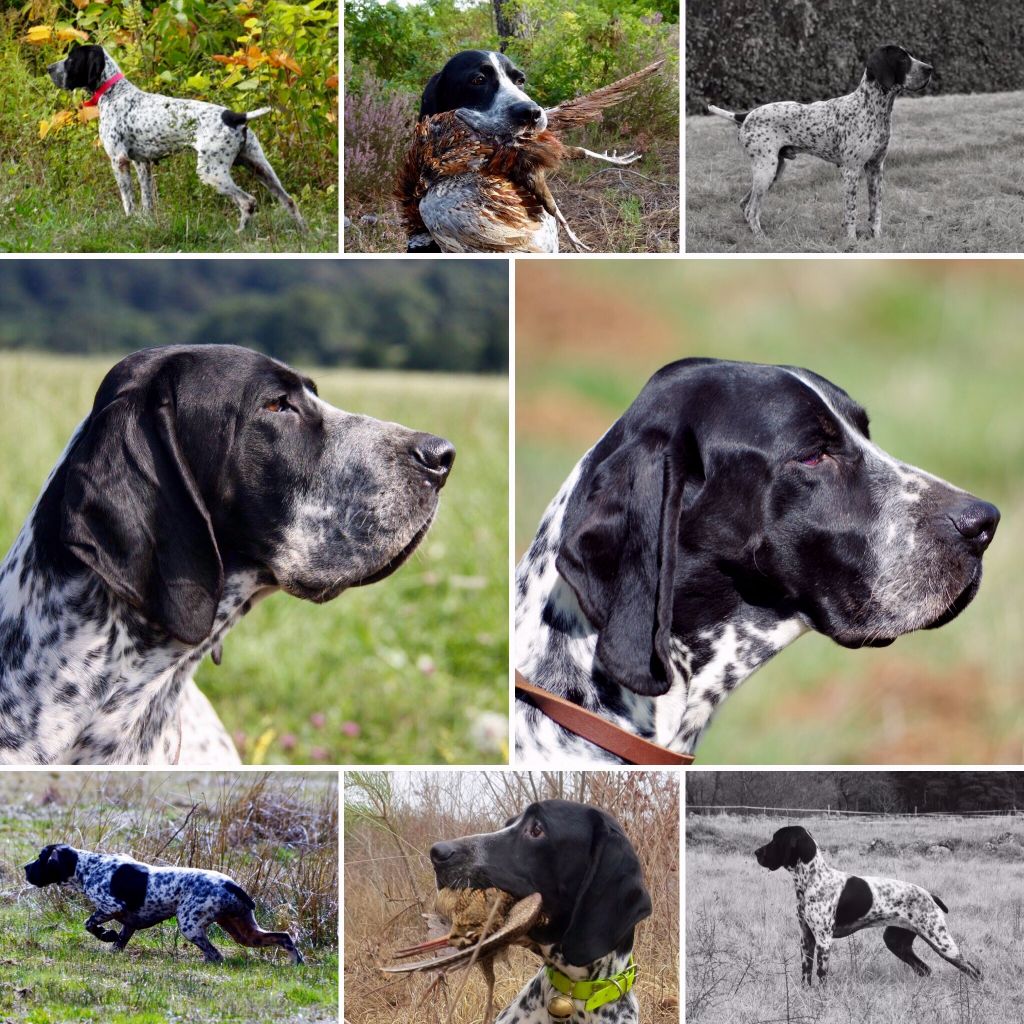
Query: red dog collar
point(107, 85)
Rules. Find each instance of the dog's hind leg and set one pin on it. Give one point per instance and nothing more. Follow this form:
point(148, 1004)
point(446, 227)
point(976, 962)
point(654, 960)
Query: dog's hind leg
point(899, 942)
point(242, 927)
point(215, 173)
point(251, 156)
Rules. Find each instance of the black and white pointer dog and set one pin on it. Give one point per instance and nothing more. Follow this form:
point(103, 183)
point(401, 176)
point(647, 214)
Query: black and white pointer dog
point(831, 904)
point(138, 896)
point(139, 128)
point(205, 478)
point(730, 509)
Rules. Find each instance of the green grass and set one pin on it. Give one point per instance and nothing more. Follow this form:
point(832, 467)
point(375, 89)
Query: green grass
point(58, 194)
point(743, 944)
point(53, 972)
point(933, 350)
point(397, 672)
point(953, 183)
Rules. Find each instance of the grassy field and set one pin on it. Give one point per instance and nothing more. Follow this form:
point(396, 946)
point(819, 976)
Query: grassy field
point(276, 836)
point(398, 672)
point(932, 349)
point(743, 944)
point(58, 194)
point(954, 182)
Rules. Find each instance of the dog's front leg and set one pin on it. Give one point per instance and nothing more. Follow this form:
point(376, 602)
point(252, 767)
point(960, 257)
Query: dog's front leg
point(851, 180)
point(147, 188)
point(95, 927)
point(123, 175)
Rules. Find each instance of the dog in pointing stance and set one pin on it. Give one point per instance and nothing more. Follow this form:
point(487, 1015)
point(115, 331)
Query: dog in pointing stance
point(831, 904)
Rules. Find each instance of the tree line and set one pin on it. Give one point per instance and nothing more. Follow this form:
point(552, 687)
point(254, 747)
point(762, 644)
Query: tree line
point(905, 792)
point(432, 315)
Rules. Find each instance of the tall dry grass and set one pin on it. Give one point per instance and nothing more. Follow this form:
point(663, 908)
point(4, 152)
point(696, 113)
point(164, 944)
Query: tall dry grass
point(392, 820)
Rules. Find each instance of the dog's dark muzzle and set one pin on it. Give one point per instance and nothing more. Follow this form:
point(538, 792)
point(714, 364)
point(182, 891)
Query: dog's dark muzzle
point(452, 864)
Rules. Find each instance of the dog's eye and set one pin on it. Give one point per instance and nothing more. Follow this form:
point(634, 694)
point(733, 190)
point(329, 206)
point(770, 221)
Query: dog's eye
point(813, 459)
point(477, 80)
point(279, 404)
point(535, 831)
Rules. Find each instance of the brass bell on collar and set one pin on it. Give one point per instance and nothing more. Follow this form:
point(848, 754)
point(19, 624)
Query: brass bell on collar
point(560, 1008)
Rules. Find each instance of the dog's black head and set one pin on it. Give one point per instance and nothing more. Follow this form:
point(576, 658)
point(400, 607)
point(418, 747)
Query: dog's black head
point(197, 460)
point(789, 846)
point(893, 68)
point(55, 863)
point(487, 90)
point(734, 490)
point(579, 860)
point(82, 68)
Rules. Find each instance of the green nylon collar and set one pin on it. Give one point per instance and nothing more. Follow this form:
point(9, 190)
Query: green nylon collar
point(594, 993)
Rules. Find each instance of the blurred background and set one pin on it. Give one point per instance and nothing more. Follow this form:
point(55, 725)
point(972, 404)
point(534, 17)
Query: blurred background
point(412, 670)
point(393, 818)
point(932, 349)
point(393, 47)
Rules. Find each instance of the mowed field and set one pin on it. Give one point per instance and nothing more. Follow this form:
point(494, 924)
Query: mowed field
point(276, 837)
point(932, 349)
point(954, 182)
point(404, 671)
point(743, 942)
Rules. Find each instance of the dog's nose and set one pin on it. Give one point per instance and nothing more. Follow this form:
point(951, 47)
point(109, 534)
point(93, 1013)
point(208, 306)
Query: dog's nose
point(976, 522)
point(434, 455)
point(525, 113)
point(440, 852)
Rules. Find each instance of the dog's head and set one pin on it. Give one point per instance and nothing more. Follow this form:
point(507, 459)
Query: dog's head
point(198, 459)
point(56, 863)
point(486, 89)
point(729, 489)
point(579, 860)
point(83, 68)
point(789, 846)
point(892, 68)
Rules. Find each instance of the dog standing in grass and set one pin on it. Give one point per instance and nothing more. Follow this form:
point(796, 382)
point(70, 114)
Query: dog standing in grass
point(139, 896)
point(140, 128)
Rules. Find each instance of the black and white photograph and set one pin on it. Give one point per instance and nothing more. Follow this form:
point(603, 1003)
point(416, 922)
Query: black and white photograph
point(874, 896)
point(854, 126)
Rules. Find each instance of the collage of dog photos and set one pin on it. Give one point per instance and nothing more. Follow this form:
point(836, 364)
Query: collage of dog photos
point(421, 417)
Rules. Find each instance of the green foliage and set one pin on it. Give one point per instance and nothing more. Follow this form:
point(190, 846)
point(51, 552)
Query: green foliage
point(429, 315)
point(742, 54)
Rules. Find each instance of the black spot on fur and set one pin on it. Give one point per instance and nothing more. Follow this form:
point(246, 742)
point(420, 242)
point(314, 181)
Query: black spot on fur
point(854, 901)
point(233, 120)
point(128, 884)
point(239, 893)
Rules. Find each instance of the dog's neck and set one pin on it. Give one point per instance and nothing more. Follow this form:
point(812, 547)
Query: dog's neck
point(874, 98)
point(811, 873)
point(83, 677)
point(556, 649)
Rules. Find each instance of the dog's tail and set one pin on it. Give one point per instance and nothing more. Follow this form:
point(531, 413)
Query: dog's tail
point(240, 894)
point(736, 118)
point(942, 906)
point(233, 120)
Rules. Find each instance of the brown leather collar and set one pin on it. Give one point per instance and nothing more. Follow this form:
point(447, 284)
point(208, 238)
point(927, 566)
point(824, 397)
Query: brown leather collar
point(599, 731)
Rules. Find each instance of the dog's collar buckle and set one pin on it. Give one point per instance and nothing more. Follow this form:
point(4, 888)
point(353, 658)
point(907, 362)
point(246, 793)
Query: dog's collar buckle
point(593, 994)
point(105, 87)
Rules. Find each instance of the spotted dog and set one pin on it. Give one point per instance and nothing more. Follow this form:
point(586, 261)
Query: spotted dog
point(849, 131)
point(205, 478)
point(831, 904)
point(139, 896)
point(593, 896)
point(732, 508)
point(140, 128)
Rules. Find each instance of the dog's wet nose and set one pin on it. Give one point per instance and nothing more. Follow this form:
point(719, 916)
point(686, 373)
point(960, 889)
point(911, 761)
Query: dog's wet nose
point(976, 522)
point(441, 852)
point(435, 455)
point(525, 113)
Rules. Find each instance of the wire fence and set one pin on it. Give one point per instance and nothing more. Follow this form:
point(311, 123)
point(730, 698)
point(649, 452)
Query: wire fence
point(836, 812)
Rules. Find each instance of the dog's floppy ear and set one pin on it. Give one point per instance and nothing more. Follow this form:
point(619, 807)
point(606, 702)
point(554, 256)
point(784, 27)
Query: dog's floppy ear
point(62, 862)
point(797, 847)
point(132, 511)
point(611, 899)
point(428, 101)
point(618, 554)
point(885, 68)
